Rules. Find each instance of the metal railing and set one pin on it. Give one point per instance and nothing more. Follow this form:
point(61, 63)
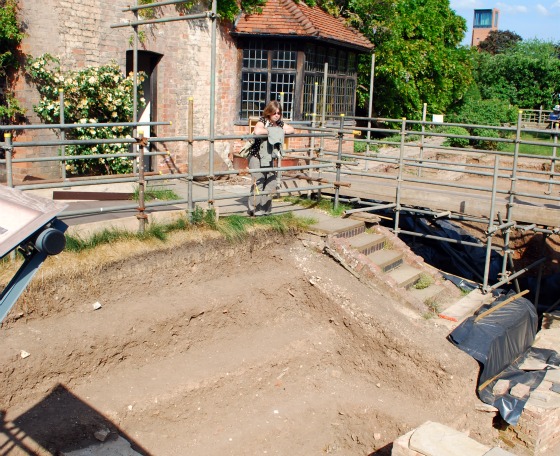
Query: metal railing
point(418, 162)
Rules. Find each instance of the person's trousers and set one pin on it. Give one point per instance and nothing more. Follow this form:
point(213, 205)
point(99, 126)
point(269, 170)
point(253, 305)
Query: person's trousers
point(259, 204)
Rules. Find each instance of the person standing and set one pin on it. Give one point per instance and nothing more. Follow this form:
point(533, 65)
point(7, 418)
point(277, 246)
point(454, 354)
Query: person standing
point(259, 157)
point(554, 116)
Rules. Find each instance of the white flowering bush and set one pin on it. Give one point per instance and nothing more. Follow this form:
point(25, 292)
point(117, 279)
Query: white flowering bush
point(91, 95)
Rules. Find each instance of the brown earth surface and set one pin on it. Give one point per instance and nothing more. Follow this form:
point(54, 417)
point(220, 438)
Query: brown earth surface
point(204, 347)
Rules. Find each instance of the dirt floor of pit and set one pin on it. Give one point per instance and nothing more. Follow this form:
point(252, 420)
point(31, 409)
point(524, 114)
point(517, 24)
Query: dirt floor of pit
point(204, 347)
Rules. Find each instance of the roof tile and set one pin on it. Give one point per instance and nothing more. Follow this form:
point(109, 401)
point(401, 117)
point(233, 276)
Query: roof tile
point(285, 17)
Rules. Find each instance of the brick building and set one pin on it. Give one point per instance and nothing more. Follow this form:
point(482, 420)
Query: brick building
point(282, 50)
point(485, 20)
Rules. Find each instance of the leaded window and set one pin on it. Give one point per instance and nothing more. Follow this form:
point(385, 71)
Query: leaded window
point(270, 72)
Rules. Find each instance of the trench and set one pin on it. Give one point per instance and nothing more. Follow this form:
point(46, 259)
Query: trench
point(465, 264)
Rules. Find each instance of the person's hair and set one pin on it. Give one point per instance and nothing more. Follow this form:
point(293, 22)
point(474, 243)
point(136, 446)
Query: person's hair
point(271, 109)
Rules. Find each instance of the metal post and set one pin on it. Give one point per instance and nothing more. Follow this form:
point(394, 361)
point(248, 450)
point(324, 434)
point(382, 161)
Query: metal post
point(508, 254)
point(190, 171)
point(370, 109)
point(490, 225)
point(9, 156)
point(424, 109)
point(400, 177)
point(540, 272)
point(213, 18)
point(135, 89)
point(553, 159)
point(339, 159)
point(313, 125)
point(62, 134)
point(313, 118)
point(141, 189)
point(323, 118)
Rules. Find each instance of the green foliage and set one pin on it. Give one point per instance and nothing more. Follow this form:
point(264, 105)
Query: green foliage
point(91, 95)
point(484, 112)
point(525, 75)
point(424, 281)
point(456, 142)
point(418, 55)
point(498, 41)
point(361, 146)
point(10, 109)
point(227, 9)
point(10, 38)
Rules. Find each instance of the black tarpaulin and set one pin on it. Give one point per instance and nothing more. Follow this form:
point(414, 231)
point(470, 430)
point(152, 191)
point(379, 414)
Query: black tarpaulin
point(501, 341)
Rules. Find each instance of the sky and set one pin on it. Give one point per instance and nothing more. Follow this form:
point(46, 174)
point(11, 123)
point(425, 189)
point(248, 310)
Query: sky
point(528, 18)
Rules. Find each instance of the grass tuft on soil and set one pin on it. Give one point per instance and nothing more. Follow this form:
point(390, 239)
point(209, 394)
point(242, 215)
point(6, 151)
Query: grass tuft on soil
point(323, 204)
point(233, 228)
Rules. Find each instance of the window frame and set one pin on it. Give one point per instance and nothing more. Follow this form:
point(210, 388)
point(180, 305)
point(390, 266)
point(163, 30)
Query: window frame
point(308, 65)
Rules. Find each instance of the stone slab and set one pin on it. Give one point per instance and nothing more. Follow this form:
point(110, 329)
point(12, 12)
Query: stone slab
point(466, 306)
point(435, 439)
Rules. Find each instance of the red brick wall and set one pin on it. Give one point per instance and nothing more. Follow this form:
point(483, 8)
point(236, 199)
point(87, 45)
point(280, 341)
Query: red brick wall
point(79, 33)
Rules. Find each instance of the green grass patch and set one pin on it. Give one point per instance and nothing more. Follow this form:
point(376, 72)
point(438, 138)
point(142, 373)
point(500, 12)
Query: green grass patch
point(531, 149)
point(161, 194)
point(324, 204)
point(233, 228)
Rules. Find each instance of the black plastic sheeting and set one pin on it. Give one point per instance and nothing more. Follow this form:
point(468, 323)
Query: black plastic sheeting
point(501, 341)
point(459, 259)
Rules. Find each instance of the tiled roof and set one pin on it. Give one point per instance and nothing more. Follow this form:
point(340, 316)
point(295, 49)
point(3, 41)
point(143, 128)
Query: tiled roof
point(289, 19)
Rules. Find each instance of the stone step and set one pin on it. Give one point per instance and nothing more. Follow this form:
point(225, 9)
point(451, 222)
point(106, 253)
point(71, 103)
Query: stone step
point(387, 260)
point(406, 276)
point(343, 228)
point(367, 243)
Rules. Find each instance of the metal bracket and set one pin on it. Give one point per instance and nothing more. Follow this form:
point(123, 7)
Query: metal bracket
point(49, 240)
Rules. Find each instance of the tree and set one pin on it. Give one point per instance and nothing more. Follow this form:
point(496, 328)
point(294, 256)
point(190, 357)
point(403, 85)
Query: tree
point(526, 75)
point(10, 37)
point(419, 58)
point(498, 41)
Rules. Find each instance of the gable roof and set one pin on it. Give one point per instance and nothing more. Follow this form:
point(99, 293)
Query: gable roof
point(288, 19)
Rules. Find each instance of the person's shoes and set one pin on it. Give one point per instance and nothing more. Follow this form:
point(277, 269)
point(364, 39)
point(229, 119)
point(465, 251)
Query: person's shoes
point(260, 213)
point(250, 213)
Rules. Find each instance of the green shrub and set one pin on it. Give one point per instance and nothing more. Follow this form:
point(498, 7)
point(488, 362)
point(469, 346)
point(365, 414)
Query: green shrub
point(360, 147)
point(456, 142)
point(91, 95)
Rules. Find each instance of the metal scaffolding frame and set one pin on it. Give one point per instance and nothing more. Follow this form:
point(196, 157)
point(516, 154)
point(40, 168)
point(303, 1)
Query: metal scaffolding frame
point(318, 161)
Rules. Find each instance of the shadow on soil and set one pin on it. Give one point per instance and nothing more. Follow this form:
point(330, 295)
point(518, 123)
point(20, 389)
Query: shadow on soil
point(60, 423)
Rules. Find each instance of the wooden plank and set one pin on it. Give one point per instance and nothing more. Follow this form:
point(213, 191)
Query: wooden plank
point(500, 305)
point(93, 196)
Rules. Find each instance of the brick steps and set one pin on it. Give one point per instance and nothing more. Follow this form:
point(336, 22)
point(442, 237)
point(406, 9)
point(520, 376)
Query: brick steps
point(386, 258)
point(406, 276)
point(367, 243)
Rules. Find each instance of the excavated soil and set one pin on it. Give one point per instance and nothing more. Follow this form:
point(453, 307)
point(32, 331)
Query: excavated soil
point(207, 347)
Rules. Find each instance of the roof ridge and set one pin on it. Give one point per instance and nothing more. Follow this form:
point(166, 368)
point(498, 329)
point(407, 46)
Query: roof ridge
point(300, 16)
